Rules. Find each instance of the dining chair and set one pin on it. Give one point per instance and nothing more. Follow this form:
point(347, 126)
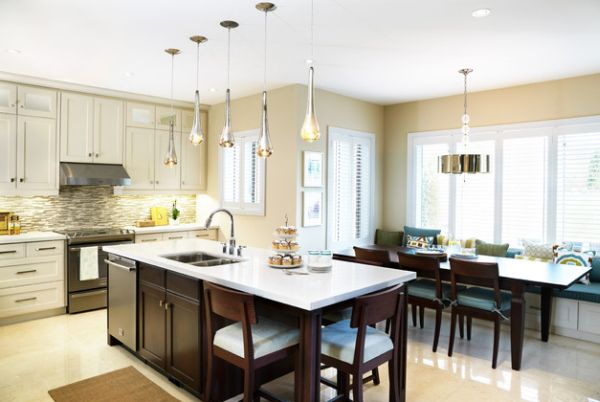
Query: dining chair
point(488, 303)
point(250, 343)
point(355, 347)
point(426, 293)
point(372, 256)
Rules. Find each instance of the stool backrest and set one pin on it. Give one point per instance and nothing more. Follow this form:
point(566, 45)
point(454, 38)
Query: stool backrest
point(475, 272)
point(372, 256)
point(430, 266)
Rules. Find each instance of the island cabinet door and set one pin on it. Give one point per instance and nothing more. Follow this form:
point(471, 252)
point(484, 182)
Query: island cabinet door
point(183, 340)
point(152, 324)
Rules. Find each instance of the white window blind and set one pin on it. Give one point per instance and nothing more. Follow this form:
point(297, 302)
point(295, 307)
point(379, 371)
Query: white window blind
point(475, 197)
point(350, 181)
point(433, 189)
point(578, 187)
point(243, 176)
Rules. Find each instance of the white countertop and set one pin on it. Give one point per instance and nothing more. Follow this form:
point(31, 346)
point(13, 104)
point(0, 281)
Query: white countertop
point(182, 227)
point(31, 236)
point(346, 280)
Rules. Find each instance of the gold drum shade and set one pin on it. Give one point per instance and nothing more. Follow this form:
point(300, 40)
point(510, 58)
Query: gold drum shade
point(464, 163)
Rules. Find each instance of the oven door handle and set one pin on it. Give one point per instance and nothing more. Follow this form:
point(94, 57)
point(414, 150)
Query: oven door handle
point(123, 267)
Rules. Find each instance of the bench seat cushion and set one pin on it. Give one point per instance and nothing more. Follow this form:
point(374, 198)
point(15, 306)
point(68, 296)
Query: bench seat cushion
point(579, 291)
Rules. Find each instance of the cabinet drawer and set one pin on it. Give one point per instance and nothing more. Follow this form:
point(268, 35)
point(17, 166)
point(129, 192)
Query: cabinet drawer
point(589, 317)
point(28, 272)
point(10, 251)
point(28, 299)
point(152, 274)
point(148, 238)
point(43, 248)
point(175, 235)
point(183, 285)
point(208, 234)
point(565, 313)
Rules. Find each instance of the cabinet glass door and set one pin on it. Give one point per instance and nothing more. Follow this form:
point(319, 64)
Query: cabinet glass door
point(36, 102)
point(8, 98)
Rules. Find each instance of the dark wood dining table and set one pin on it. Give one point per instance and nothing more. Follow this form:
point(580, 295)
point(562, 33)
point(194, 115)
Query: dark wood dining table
point(515, 275)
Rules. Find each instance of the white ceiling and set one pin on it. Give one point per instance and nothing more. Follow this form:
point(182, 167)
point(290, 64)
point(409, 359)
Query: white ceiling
point(385, 51)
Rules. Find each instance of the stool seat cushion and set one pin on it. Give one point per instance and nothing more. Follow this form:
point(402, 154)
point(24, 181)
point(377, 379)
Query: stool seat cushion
point(268, 336)
point(338, 315)
point(339, 341)
point(483, 299)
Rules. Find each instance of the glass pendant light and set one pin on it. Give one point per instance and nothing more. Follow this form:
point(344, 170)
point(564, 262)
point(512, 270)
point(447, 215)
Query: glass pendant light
point(196, 135)
point(171, 157)
point(310, 129)
point(464, 162)
point(227, 139)
point(264, 149)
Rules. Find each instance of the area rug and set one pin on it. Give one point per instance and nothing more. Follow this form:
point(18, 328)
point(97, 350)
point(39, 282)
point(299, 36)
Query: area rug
point(124, 385)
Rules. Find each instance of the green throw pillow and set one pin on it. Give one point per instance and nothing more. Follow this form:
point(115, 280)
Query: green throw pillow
point(490, 249)
point(388, 238)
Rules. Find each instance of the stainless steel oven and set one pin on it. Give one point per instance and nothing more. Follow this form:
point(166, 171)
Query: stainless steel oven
point(86, 294)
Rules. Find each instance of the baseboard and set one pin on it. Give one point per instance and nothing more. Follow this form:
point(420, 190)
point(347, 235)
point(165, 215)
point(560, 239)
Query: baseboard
point(33, 316)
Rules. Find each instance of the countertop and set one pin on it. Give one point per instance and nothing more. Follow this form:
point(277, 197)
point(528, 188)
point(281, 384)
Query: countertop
point(253, 275)
point(182, 227)
point(31, 236)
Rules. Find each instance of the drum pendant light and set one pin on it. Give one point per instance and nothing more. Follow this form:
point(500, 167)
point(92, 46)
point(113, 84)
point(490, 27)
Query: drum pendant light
point(310, 129)
point(264, 149)
point(196, 134)
point(227, 140)
point(464, 162)
point(171, 157)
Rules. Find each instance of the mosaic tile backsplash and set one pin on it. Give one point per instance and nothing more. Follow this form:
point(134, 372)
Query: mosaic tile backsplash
point(94, 206)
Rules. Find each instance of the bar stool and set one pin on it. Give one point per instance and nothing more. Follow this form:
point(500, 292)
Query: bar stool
point(485, 303)
point(354, 347)
point(250, 343)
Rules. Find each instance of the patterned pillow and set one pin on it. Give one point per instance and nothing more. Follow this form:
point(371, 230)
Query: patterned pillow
point(542, 252)
point(528, 258)
point(419, 241)
point(580, 260)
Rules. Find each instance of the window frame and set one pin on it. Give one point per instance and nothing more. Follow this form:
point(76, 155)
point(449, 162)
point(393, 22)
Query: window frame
point(335, 133)
point(551, 129)
point(241, 207)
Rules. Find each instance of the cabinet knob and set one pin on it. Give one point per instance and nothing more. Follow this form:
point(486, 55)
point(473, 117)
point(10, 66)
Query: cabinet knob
point(151, 181)
point(12, 105)
point(167, 305)
point(156, 182)
point(97, 155)
point(22, 106)
point(161, 303)
point(21, 180)
point(182, 182)
point(90, 155)
point(13, 179)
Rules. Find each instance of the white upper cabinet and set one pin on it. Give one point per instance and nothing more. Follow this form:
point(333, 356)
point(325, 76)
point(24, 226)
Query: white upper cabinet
point(108, 131)
point(36, 102)
point(8, 98)
point(163, 115)
point(140, 115)
point(167, 178)
point(139, 157)
point(193, 161)
point(36, 154)
point(76, 128)
point(187, 121)
point(8, 152)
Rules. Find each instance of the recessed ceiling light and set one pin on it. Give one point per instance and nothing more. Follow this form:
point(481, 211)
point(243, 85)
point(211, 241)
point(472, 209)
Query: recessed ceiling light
point(13, 51)
point(129, 74)
point(481, 13)
point(213, 90)
point(309, 61)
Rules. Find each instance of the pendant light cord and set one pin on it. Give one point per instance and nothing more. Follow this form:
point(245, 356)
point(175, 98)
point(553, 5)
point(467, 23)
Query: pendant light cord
point(312, 32)
point(465, 93)
point(197, 64)
point(172, 69)
point(228, 54)
point(265, 69)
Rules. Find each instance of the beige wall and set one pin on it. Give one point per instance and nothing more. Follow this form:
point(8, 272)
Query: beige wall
point(573, 97)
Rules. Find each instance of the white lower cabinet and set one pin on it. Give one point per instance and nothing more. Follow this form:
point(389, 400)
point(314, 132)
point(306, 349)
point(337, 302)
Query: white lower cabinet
point(207, 234)
point(589, 317)
point(148, 238)
point(32, 277)
point(564, 313)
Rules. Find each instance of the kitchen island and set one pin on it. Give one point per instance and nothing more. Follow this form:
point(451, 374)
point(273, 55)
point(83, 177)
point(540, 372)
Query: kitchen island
point(176, 288)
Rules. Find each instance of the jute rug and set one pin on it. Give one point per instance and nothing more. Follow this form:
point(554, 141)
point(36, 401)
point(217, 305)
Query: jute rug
point(124, 385)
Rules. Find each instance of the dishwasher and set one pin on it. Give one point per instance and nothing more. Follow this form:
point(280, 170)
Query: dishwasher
point(122, 301)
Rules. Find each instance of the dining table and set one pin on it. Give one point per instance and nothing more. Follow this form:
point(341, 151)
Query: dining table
point(516, 275)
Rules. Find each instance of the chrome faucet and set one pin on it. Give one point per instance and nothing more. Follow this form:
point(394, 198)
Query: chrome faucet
point(232, 243)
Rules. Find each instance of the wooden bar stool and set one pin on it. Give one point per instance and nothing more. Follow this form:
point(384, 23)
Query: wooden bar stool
point(485, 303)
point(250, 343)
point(354, 347)
point(426, 293)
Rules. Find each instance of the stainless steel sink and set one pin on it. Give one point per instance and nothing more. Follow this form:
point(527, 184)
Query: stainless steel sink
point(201, 259)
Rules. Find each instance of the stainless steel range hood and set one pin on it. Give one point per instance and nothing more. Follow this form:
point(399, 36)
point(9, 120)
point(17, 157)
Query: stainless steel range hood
point(93, 174)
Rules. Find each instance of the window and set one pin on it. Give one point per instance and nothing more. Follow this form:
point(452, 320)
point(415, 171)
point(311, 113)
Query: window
point(243, 176)
point(544, 183)
point(350, 188)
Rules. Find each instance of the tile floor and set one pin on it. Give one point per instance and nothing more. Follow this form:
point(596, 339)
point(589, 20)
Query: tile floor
point(40, 355)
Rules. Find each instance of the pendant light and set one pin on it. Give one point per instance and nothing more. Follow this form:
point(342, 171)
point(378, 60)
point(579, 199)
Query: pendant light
point(171, 157)
point(196, 135)
point(464, 162)
point(264, 149)
point(227, 139)
point(310, 129)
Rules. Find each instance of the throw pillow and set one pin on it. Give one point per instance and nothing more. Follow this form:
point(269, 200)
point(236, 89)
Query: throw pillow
point(419, 241)
point(387, 238)
point(490, 249)
point(412, 231)
point(580, 260)
point(544, 252)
